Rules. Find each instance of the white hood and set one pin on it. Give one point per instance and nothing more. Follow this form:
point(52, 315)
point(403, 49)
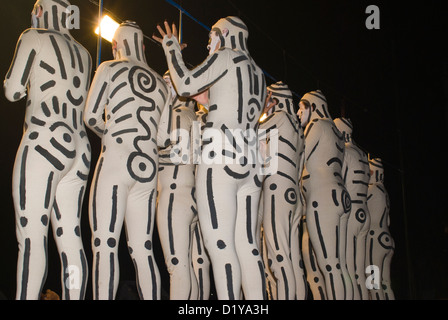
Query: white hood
point(317, 99)
point(129, 38)
point(281, 92)
point(54, 15)
point(238, 33)
point(345, 127)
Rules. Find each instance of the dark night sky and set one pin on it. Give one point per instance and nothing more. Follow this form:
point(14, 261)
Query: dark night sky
point(391, 82)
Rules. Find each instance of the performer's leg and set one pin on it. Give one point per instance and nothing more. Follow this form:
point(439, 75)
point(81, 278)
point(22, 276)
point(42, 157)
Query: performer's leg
point(249, 253)
point(343, 225)
point(66, 223)
point(174, 219)
point(32, 195)
point(315, 279)
point(323, 227)
point(385, 276)
point(276, 226)
point(106, 213)
point(296, 255)
point(139, 222)
point(201, 264)
point(217, 208)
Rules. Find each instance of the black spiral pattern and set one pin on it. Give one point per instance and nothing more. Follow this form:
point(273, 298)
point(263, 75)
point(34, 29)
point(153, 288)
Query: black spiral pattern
point(142, 82)
point(140, 166)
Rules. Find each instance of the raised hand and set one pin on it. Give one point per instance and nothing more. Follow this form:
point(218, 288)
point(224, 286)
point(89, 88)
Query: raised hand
point(269, 102)
point(169, 32)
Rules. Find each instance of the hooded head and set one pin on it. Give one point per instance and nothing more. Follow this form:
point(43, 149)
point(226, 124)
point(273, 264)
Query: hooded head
point(345, 127)
point(51, 15)
point(283, 95)
point(376, 170)
point(128, 44)
point(232, 32)
point(313, 105)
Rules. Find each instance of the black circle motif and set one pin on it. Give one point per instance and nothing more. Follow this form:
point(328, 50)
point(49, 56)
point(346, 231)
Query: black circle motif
point(291, 196)
point(254, 111)
point(141, 167)
point(360, 215)
point(385, 240)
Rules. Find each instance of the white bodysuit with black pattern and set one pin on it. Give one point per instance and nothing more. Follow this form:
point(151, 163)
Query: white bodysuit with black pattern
point(53, 160)
point(132, 98)
point(227, 182)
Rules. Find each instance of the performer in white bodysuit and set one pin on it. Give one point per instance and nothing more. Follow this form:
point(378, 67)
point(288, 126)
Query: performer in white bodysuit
point(356, 176)
point(53, 160)
point(176, 205)
point(132, 97)
point(200, 258)
point(326, 196)
point(281, 194)
point(380, 243)
point(227, 182)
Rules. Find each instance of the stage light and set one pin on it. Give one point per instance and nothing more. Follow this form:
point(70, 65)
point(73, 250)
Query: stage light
point(263, 117)
point(108, 28)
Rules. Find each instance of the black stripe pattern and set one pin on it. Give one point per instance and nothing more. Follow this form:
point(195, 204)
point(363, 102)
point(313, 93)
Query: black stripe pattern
point(132, 97)
point(328, 201)
point(54, 157)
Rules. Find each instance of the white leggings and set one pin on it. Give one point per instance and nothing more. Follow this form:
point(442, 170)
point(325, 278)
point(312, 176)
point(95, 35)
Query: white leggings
point(325, 207)
point(42, 194)
point(112, 203)
point(228, 210)
point(176, 209)
point(279, 205)
point(201, 264)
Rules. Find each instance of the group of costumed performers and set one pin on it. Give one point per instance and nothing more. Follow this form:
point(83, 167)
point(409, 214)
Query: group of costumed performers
point(274, 197)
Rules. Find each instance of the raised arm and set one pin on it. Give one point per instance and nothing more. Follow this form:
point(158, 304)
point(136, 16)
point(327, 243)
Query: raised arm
point(191, 82)
point(17, 78)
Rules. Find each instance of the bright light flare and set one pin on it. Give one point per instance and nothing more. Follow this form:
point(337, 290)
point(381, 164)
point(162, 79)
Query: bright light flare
point(263, 117)
point(108, 28)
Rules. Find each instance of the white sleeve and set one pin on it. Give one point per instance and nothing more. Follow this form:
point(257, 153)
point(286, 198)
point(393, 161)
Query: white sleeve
point(191, 82)
point(96, 100)
point(165, 124)
point(16, 82)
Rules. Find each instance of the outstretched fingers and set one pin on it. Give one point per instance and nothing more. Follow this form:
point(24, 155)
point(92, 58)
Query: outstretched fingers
point(175, 32)
point(169, 32)
point(163, 33)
